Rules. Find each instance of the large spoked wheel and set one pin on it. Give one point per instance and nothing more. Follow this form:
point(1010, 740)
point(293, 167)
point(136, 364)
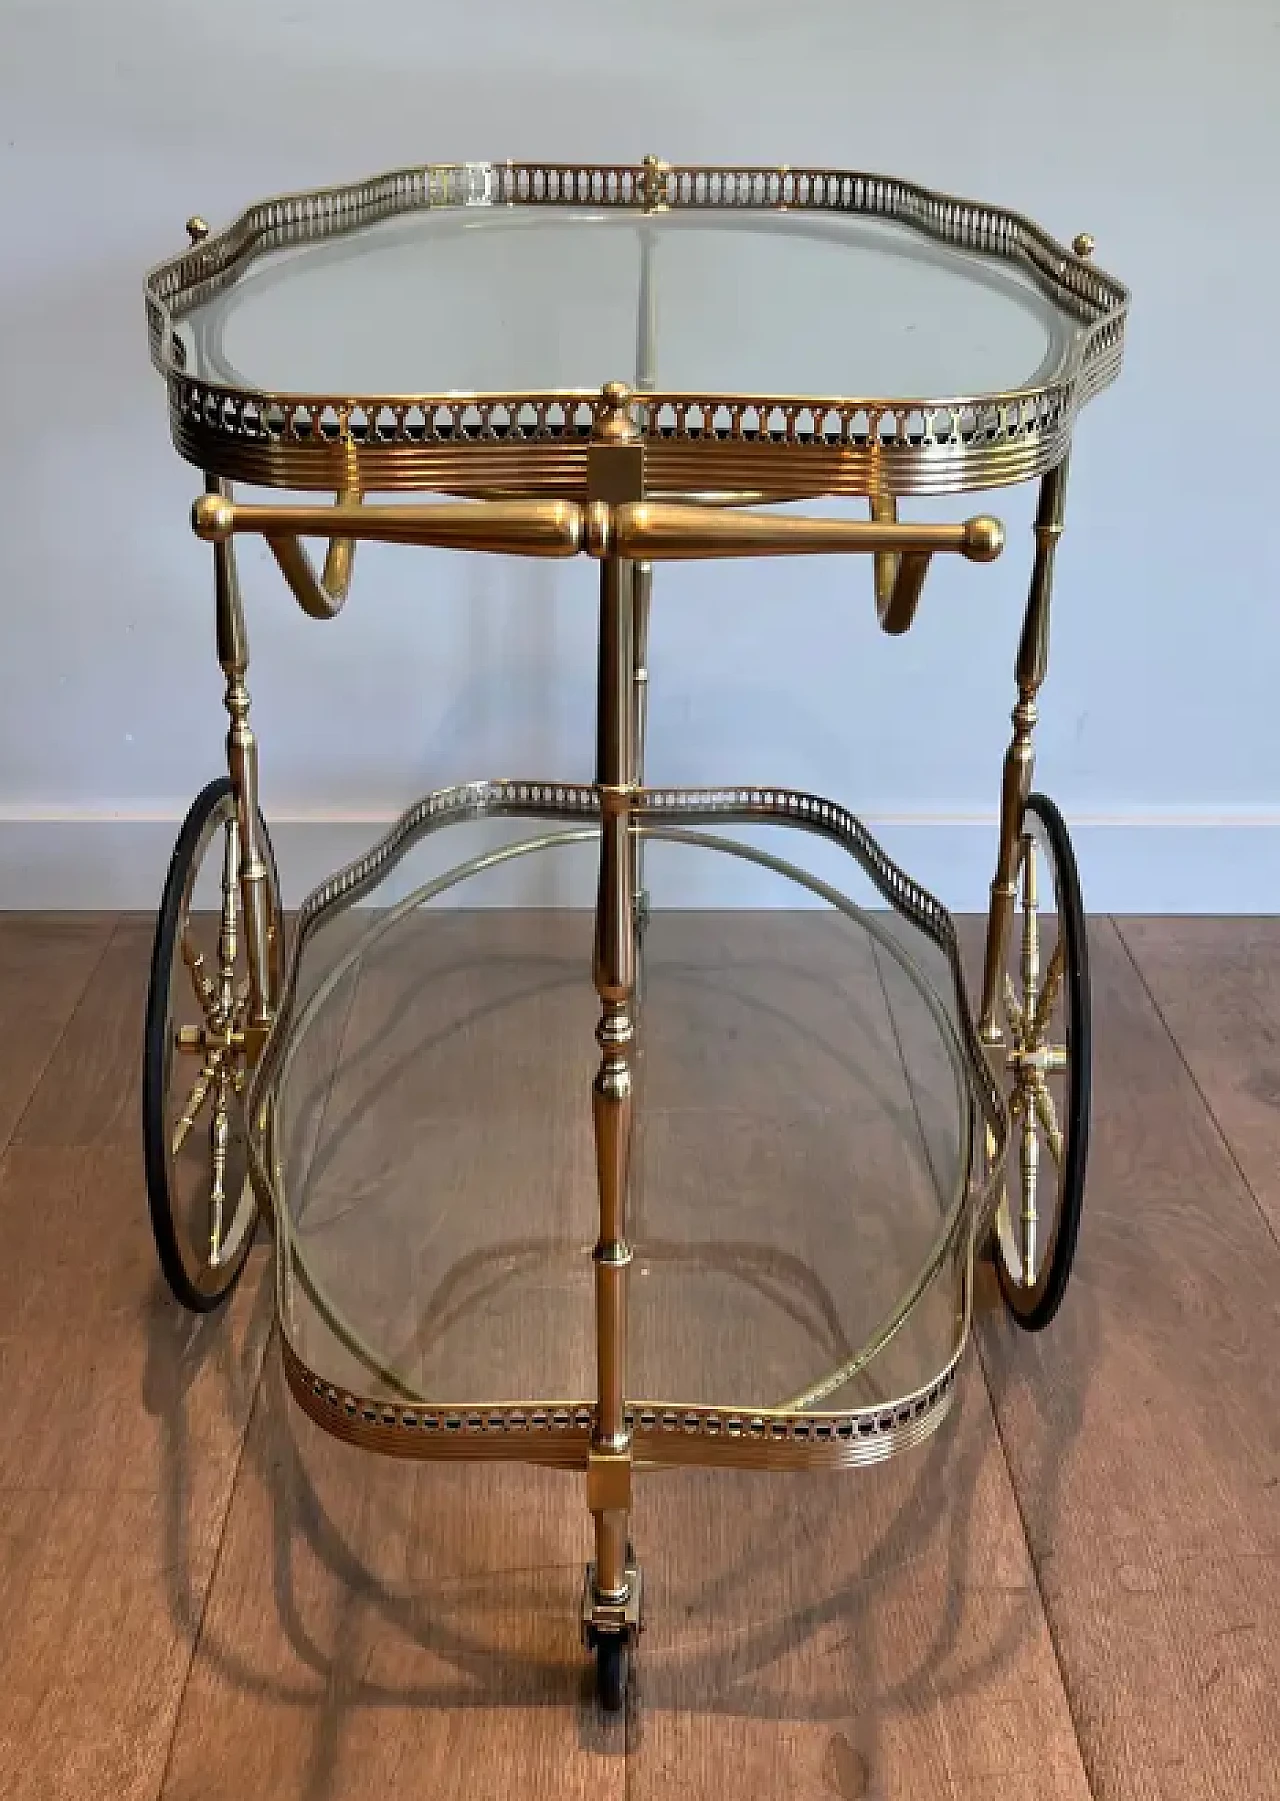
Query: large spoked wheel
point(1045, 1010)
point(195, 1058)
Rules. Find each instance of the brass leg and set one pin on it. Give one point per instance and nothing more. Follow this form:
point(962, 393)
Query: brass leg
point(242, 766)
point(1029, 672)
point(614, 972)
point(642, 590)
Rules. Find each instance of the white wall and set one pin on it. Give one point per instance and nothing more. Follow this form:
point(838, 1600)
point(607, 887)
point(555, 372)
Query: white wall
point(1154, 126)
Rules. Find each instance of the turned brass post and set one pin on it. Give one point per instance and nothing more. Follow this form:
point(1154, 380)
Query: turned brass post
point(1029, 672)
point(616, 474)
point(642, 593)
point(242, 766)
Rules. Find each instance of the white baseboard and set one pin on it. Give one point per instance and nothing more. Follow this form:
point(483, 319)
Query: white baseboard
point(1147, 862)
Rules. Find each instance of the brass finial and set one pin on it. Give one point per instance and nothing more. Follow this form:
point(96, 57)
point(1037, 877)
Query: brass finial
point(616, 425)
point(983, 538)
point(213, 518)
point(1083, 245)
point(197, 229)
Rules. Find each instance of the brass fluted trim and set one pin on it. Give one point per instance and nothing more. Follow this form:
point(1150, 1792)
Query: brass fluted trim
point(457, 465)
point(558, 1434)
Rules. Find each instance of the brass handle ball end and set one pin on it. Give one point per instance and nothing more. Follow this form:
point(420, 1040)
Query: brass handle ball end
point(213, 518)
point(983, 538)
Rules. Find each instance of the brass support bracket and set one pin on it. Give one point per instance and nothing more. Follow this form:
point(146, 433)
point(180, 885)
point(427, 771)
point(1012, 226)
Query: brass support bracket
point(609, 1480)
point(899, 575)
point(604, 1614)
point(323, 596)
point(615, 800)
point(653, 185)
point(600, 1614)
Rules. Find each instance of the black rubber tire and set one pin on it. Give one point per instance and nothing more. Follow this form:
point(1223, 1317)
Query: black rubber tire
point(1034, 1308)
point(611, 1671)
point(196, 1294)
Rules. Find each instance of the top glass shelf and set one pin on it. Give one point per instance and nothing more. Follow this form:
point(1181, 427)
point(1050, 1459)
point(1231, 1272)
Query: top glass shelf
point(786, 331)
point(512, 302)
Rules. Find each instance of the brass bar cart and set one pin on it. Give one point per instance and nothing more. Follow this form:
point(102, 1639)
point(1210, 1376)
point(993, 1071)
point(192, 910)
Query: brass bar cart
point(690, 435)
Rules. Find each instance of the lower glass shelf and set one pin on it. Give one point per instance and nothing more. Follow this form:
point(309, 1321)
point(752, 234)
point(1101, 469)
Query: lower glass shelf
point(802, 1155)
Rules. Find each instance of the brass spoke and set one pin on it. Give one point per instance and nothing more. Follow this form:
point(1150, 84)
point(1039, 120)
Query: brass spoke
point(1030, 930)
point(219, 1143)
point(206, 992)
point(1013, 1008)
point(1029, 1170)
point(227, 933)
point(200, 1090)
point(1047, 1114)
point(1049, 992)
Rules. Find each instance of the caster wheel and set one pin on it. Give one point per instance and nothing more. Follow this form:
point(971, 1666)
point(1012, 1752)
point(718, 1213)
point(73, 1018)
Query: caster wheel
point(611, 1671)
point(1045, 1025)
point(195, 1064)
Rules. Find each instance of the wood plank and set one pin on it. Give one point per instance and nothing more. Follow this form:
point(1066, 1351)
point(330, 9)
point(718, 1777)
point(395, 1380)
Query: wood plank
point(378, 1627)
point(46, 960)
point(873, 1633)
point(373, 1618)
point(1216, 983)
point(813, 1635)
point(1143, 1434)
point(123, 1426)
point(870, 1634)
point(878, 1633)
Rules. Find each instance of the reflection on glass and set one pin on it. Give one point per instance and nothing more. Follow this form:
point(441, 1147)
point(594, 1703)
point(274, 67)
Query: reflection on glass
point(509, 300)
point(801, 1137)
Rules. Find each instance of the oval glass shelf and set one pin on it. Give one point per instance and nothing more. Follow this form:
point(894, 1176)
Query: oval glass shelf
point(803, 1133)
point(512, 301)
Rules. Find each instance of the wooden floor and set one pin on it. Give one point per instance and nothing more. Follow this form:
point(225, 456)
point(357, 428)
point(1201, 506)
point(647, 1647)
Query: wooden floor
point(1072, 1591)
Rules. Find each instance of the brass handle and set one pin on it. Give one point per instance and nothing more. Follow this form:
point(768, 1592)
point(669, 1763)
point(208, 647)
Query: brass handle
point(531, 528)
point(667, 531)
point(648, 531)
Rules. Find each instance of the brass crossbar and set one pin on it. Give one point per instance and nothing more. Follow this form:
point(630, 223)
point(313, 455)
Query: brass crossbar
point(652, 530)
